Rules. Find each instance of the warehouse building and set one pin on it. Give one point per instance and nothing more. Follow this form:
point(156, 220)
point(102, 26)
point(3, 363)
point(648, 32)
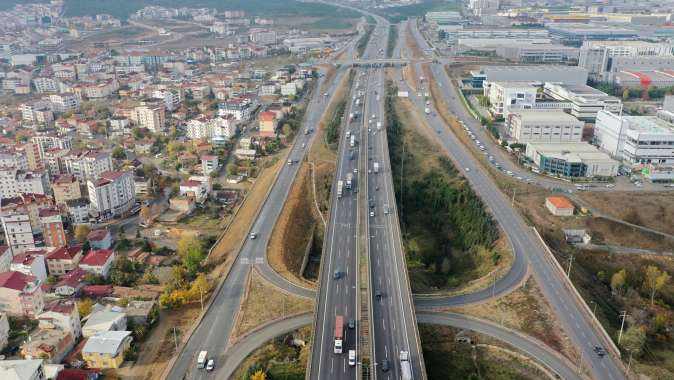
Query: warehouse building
point(544, 126)
point(633, 79)
point(585, 101)
point(567, 74)
point(577, 33)
point(574, 159)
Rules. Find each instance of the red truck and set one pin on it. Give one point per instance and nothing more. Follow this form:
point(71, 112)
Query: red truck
point(339, 334)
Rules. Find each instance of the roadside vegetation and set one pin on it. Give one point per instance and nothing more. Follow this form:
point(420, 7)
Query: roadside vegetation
point(282, 358)
point(449, 237)
point(364, 39)
point(392, 40)
point(483, 358)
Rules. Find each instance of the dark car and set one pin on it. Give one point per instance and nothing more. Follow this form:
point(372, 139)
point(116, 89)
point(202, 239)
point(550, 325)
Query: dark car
point(352, 324)
point(384, 365)
point(338, 274)
point(599, 351)
point(377, 294)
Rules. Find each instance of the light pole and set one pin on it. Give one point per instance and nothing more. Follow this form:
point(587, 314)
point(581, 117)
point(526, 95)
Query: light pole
point(623, 315)
point(629, 362)
point(493, 287)
point(568, 271)
point(594, 308)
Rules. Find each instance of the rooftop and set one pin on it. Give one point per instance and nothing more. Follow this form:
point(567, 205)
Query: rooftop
point(649, 124)
point(106, 342)
point(19, 369)
point(98, 235)
point(560, 202)
point(14, 280)
point(546, 116)
point(97, 257)
point(570, 151)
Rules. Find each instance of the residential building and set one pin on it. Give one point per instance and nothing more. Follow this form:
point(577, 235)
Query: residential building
point(64, 259)
point(22, 369)
point(53, 233)
point(289, 89)
point(14, 182)
point(239, 108)
point(18, 231)
point(209, 163)
point(11, 158)
point(171, 98)
point(635, 140)
point(559, 206)
point(98, 261)
point(71, 283)
point(30, 263)
point(52, 345)
point(102, 321)
point(268, 124)
point(544, 126)
point(151, 116)
point(571, 159)
point(100, 238)
point(195, 189)
point(5, 258)
point(37, 113)
point(263, 37)
point(61, 103)
point(46, 141)
point(199, 128)
point(111, 194)
point(585, 101)
point(65, 188)
point(142, 312)
point(78, 211)
point(45, 84)
point(29, 204)
point(504, 95)
point(32, 153)
point(4, 332)
point(61, 314)
point(87, 164)
point(20, 295)
point(107, 349)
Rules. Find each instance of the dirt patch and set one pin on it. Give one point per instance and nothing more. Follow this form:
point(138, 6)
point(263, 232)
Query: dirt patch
point(159, 346)
point(526, 310)
point(264, 303)
point(652, 210)
point(294, 230)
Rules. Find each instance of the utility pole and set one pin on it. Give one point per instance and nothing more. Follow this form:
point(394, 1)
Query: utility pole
point(629, 362)
point(493, 286)
point(201, 298)
point(568, 271)
point(175, 338)
point(580, 363)
point(512, 203)
point(623, 315)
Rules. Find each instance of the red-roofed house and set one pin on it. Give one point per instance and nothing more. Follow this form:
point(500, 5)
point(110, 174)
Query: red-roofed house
point(195, 189)
point(63, 260)
point(268, 124)
point(559, 206)
point(31, 263)
point(20, 294)
point(98, 261)
point(100, 239)
point(79, 374)
point(52, 227)
point(61, 314)
point(71, 283)
point(97, 290)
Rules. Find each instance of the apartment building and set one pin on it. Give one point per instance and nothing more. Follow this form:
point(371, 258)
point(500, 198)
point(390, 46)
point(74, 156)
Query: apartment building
point(111, 194)
point(20, 295)
point(239, 108)
point(65, 187)
point(171, 98)
point(47, 141)
point(18, 231)
point(86, 164)
point(64, 259)
point(53, 233)
point(268, 123)
point(30, 263)
point(10, 158)
point(14, 182)
point(45, 84)
point(61, 103)
point(151, 116)
point(37, 113)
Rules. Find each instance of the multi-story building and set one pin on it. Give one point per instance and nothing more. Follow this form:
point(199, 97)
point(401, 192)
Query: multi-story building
point(111, 194)
point(483, 7)
point(545, 126)
point(30, 263)
point(53, 233)
point(101, 90)
point(45, 84)
point(571, 159)
point(14, 182)
point(28, 369)
point(20, 295)
point(29, 204)
point(98, 261)
point(106, 349)
point(32, 152)
point(505, 95)
point(64, 259)
point(46, 141)
point(51, 344)
point(78, 211)
point(571, 75)
point(87, 164)
point(444, 18)
point(268, 123)
point(209, 163)
point(61, 314)
point(603, 59)
point(37, 113)
point(585, 101)
point(636, 140)
point(289, 89)
point(151, 116)
point(10, 158)
point(65, 188)
point(61, 103)
point(18, 231)
point(199, 128)
point(239, 108)
point(4, 333)
point(171, 98)
point(263, 37)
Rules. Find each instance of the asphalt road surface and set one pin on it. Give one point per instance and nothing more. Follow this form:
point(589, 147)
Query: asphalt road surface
point(214, 331)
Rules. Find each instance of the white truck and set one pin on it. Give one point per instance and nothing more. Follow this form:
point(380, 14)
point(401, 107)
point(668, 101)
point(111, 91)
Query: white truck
point(379, 125)
point(340, 186)
point(353, 141)
point(202, 359)
point(376, 167)
point(405, 366)
point(349, 180)
point(427, 110)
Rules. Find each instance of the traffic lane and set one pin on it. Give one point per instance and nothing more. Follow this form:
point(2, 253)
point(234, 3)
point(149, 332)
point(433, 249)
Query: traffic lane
point(533, 348)
point(564, 304)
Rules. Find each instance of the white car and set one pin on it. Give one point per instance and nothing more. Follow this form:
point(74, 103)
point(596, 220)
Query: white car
point(610, 186)
point(210, 365)
point(467, 169)
point(355, 171)
point(352, 358)
point(371, 213)
point(253, 235)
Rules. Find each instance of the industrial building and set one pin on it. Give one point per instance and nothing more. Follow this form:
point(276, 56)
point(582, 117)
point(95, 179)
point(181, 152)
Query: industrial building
point(584, 100)
point(567, 74)
point(636, 140)
point(522, 50)
point(544, 126)
point(572, 159)
point(577, 33)
point(506, 95)
point(642, 79)
point(603, 58)
point(444, 18)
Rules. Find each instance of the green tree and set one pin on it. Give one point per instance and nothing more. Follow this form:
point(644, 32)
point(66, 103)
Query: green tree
point(618, 281)
point(191, 251)
point(81, 232)
point(119, 153)
point(633, 339)
point(84, 306)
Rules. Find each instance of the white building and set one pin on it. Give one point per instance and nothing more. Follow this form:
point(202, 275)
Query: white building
point(65, 102)
point(636, 140)
point(289, 89)
point(483, 7)
point(37, 113)
point(199, 128)
point(601, 58)
point(151, 116)
point(504, 95)
point(209, 163)
point(14, 182)
point(571, 159)
point(22, 369)
point(111, 194)
point(85, 165)
point(444, 18)
point(18, 232)
point(44, 84)
point(263, 37)
point(585, 100)
point(171, 98)
point(13, 159)
point(238, 108)
point(50, 141)
point(545, 126)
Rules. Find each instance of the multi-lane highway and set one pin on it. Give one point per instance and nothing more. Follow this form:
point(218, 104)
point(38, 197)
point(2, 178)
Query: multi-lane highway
point(583, 333)
point(215, 328)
